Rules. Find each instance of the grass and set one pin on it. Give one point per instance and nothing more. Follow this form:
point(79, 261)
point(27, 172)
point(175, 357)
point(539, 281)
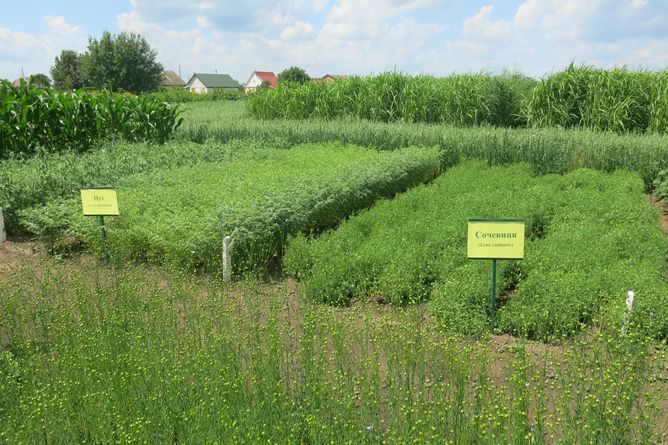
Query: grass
point(468, 99)
point(136, 356)
point(619, 99)
point(548, 150)
point(413, 248)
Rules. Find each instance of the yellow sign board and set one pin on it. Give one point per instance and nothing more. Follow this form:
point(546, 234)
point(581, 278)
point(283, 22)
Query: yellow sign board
point(99, 202)
point(501, 239)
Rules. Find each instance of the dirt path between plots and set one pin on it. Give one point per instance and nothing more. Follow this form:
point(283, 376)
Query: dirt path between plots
point(657, 203)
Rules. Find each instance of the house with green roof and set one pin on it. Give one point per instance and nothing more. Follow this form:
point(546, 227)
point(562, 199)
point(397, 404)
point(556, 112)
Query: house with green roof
point(208, 83)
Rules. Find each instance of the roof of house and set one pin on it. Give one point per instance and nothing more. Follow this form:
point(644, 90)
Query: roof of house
point(171, 79)
point(328, 77)
point(215, 80)
point(267, 76)
point(17, 82)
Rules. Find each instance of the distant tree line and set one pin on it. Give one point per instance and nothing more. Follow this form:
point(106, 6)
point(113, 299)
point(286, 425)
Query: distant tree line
point(123, 62)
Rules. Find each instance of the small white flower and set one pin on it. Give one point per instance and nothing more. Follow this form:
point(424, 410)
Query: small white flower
point(629, 300)
point(369, 428)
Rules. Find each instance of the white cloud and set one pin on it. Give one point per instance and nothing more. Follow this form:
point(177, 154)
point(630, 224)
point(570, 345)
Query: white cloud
point(482, 25)
point(299, 29)
point(36, 53)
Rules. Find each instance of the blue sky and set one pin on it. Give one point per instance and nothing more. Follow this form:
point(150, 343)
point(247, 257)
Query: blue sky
point(347, 36)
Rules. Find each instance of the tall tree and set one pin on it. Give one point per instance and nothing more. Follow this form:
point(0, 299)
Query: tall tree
point(66, 71)
point(293, 74)
point(122, 62)
point(40, 80)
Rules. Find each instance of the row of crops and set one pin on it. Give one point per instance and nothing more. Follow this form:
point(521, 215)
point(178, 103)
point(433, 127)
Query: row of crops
point(619, 100)
point(179, 216)
point(591, 237)
point(35, 120)
point(548, 150)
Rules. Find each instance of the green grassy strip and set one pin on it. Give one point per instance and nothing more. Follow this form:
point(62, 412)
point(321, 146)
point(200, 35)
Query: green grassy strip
point(617, 100)
point(180, 216)
point(548, 150)
point(94, 355)
point(591, 237)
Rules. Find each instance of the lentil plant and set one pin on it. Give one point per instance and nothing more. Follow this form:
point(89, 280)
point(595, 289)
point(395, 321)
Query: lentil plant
point(590, 238)
point(25, 183)
point(103, 356)
point(180, 216)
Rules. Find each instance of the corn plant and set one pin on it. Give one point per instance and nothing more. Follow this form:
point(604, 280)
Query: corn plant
point(36, 120)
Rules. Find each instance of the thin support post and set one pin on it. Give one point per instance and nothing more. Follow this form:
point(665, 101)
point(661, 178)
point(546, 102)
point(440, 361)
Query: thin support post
point(104, 241)
point(492, 312)
point(227, 259)
point(3, 235)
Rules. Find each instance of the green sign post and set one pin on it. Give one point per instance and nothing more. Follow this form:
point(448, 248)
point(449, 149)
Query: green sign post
point(100, 201)
point(495, 239)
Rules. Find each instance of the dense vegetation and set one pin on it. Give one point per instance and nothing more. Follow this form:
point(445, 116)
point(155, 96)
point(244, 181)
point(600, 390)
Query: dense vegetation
point(39, 180)
point(122, 62)
point(104, 356)
point(180, 216)
point(139, 355)
point(472, 99)
point(413, 248)
point(548, 150)
point(617, 100)
point(181, 95)
point(35, 120)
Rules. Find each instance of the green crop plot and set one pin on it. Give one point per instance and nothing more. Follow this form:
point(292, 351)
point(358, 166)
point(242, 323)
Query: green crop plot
point(179, 216)
point(590, 237)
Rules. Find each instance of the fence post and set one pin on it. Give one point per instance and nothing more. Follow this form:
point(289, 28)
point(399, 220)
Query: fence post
point(3, 235)
point(227, 259)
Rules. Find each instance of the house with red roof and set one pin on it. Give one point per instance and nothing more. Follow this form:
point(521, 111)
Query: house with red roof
point(256, 79)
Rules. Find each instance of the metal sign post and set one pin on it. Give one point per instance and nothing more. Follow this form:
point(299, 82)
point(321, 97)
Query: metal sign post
point(100, 201)
point(495, 239)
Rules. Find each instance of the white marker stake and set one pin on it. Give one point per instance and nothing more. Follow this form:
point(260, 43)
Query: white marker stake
point(227, 259)
point(3, 235)
point(630, 295)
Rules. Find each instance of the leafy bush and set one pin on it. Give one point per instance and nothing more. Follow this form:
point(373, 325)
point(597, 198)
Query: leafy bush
point(590, 238)
point(180, 216)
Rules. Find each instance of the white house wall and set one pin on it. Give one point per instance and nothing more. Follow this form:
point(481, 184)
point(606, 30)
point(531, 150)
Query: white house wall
point(197, 87)
point(254, 81)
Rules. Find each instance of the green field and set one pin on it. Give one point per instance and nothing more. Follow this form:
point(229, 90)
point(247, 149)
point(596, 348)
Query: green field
point(354, 315)
point(179, 216)
point(413, 248)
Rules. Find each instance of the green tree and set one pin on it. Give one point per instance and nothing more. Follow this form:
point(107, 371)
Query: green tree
point(293, 74)
point(66, 71)
point(40, 80)
point(122, 62)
